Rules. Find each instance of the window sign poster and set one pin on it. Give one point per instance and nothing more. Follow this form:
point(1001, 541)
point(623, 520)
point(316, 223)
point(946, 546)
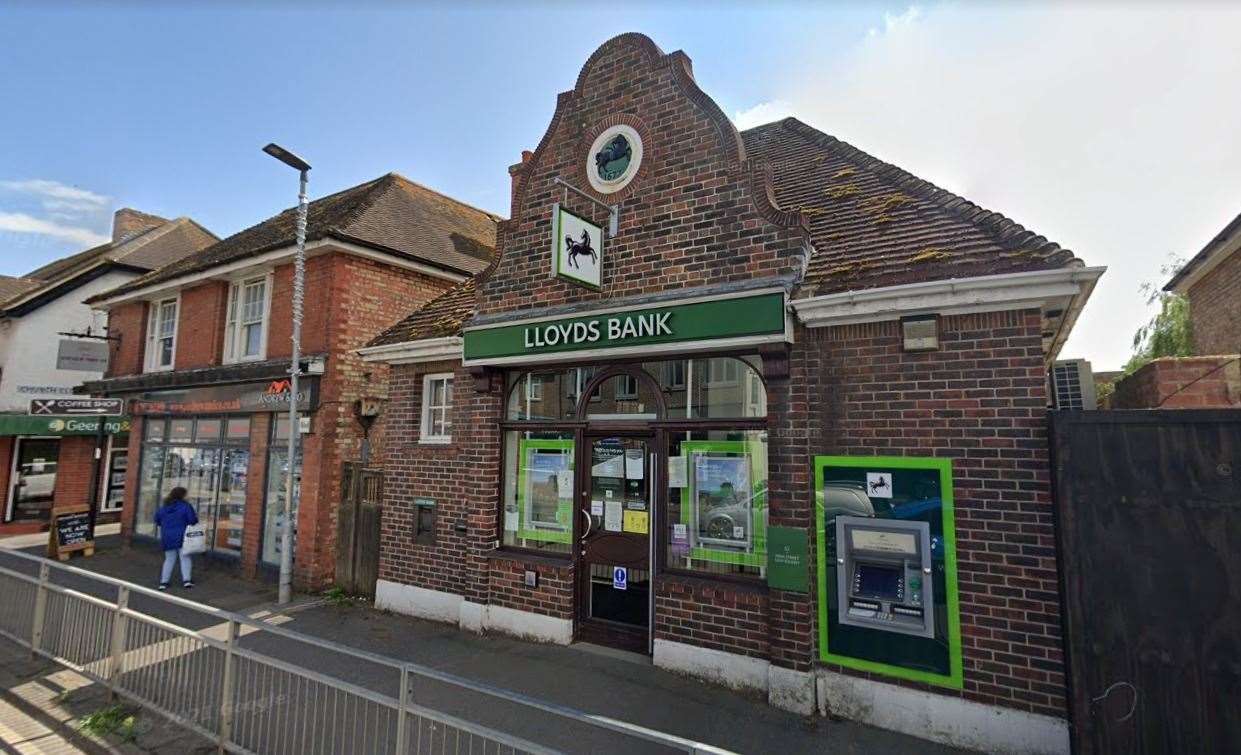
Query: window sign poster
point(544, 504)
point(676, 472)
point(612, 516)
point(724, 508)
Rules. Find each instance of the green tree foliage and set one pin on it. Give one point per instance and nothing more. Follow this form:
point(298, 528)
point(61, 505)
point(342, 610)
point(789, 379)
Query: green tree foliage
point(1168, 334)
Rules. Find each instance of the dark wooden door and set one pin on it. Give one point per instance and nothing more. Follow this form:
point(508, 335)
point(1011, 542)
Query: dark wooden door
point(1149, 524)
point(358, 523)
point(616, 504)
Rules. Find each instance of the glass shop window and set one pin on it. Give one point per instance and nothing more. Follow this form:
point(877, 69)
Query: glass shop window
point(538, 490)
point(717, 502)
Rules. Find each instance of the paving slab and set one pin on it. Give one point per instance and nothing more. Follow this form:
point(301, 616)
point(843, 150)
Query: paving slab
point(596, 680)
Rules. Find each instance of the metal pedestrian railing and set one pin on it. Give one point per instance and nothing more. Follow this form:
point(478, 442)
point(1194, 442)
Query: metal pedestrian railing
point(236, 680)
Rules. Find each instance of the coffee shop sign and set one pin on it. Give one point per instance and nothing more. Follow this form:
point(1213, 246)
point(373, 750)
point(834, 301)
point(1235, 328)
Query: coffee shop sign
point(616, 328)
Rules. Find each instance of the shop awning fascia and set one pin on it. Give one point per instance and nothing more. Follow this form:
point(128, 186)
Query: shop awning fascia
point(25, 424)
point(780, 333)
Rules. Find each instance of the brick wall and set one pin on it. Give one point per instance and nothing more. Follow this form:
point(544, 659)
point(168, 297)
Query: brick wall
point(364, 297)
point(1215, 309)
point(1182, 383)
point(981, 401)
point(126, 322)
point(713, 615)
point(463, 478)
point(200, 325)
point(696, 213)
point(74, 486)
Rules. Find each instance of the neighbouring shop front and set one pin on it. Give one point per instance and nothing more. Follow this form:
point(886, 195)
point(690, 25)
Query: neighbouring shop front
point(227, 445)
point(753, 403)
point(31, 451)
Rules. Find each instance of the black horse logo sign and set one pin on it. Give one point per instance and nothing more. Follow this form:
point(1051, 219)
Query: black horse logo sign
point(580, 248)
point(879, 485)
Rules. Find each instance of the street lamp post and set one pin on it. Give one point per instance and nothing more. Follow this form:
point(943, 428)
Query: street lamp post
point(295, 371)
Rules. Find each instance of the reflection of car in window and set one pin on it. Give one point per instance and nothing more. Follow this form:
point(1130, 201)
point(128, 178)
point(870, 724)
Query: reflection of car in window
point(545, 502)
point(725, 516)
point(847, 499)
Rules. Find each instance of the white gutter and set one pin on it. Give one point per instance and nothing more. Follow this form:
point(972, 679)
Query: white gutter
point(1066, 289)
point(412, 352)
point(322, 246)
point(988, 293)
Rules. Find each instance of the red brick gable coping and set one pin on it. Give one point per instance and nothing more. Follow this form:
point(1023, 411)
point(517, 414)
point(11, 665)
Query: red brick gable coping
point(697, 211)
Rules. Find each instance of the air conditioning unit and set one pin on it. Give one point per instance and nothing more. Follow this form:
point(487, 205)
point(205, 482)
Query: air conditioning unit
point(1072, 385)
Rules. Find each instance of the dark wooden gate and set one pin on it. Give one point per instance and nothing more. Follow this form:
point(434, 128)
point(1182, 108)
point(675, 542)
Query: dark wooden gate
point(1149, 527)
point(357, 544)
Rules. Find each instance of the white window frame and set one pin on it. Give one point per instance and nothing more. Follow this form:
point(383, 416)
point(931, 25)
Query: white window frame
point(426, 436)
point(726, 366)
point(154, 308)
point(627, 381)
point(234, 327)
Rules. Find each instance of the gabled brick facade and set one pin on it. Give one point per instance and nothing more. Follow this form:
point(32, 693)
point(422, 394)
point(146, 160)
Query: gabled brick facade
point(702, 215)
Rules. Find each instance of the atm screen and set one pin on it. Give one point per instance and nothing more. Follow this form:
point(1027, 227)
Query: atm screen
point(878, 581)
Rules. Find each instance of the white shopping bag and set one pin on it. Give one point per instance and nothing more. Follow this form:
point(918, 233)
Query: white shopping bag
point(195, 540)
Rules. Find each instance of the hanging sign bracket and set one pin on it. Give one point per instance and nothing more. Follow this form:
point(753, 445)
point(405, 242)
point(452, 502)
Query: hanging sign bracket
point(613, 209)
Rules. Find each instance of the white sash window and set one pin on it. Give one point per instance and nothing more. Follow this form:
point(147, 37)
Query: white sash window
point(161, 335)
point(249, 307)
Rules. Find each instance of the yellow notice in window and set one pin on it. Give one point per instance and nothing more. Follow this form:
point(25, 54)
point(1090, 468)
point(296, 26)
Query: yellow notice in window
point(636, 522)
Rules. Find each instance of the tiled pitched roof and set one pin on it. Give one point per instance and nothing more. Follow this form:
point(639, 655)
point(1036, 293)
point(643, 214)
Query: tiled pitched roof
point(442, 316)
point(1215, 246)
point(390, 212)
point(13, 287)
point(873, 224)
point(143, 250)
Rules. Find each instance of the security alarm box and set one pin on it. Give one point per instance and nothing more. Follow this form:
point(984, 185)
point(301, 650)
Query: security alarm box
point(883, 575)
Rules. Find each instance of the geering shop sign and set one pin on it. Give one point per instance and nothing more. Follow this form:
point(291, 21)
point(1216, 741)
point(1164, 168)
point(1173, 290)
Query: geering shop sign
point(757, 316)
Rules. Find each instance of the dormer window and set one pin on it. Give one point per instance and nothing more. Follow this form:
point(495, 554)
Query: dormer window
point(161, 335)
point(245, 335)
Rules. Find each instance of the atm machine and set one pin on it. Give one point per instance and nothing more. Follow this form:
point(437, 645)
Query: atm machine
point(883, 575)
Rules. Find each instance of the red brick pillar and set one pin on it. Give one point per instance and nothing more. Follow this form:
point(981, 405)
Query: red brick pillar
point(133, 472)
point(75, 469)
point(256, 489)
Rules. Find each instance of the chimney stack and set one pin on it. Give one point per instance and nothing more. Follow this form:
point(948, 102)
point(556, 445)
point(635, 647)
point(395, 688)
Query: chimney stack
point(515, 172)
point(127, 222)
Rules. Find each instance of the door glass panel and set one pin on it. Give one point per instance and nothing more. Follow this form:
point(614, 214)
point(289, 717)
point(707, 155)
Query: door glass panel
point(232, 501)
point(619, 512)
point(273, 516)
point(149, 495)
point(35, 479)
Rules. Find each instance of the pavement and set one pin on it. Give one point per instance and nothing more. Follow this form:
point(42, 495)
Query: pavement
point(596, 680)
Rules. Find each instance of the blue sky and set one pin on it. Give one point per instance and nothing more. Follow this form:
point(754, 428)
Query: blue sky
point(1107, 129)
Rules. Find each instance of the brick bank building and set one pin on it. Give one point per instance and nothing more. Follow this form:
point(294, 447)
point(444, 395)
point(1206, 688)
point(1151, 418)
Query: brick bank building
point(202, 349)
point(757, 404)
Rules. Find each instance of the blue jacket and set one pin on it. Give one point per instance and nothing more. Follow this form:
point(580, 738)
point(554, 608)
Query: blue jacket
point(172, 519)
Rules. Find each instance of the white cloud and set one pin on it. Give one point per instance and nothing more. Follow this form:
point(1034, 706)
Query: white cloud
point(1110, 129)
point(763, 112)
point(19, 222)
point(56, 196)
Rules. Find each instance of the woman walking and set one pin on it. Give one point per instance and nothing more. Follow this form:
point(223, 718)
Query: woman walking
point(172, 518)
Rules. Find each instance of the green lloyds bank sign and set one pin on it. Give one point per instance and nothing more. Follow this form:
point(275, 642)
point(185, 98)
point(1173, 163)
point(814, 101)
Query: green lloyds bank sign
point(755, 317)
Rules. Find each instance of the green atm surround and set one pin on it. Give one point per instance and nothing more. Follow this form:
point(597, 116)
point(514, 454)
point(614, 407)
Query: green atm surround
point(876, 651)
